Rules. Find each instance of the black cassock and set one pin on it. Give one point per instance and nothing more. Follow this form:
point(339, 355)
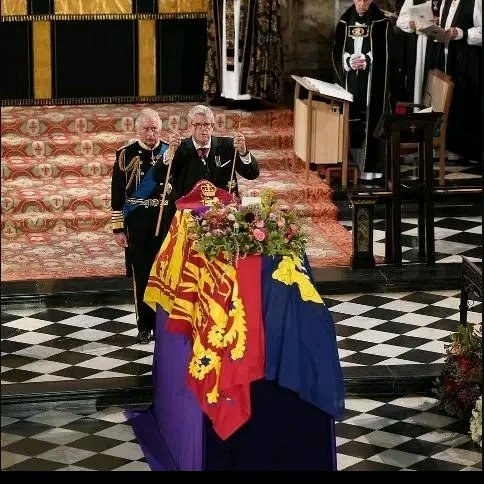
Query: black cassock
point(370, 87)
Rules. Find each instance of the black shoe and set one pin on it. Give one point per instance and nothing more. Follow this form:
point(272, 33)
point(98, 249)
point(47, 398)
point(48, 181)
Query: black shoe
point(143, 337)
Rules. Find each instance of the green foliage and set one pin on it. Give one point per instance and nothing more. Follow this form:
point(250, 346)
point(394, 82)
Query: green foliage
point(235, 231)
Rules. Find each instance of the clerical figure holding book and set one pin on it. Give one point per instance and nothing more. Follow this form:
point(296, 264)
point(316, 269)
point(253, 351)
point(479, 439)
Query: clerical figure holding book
point(361, 62)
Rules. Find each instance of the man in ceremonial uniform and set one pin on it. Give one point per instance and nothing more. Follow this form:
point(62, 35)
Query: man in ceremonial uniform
point(135, 202)
point(203, 156)
point(361, 52)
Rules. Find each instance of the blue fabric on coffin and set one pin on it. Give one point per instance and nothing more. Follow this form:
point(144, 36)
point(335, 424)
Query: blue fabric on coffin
point(301, 352)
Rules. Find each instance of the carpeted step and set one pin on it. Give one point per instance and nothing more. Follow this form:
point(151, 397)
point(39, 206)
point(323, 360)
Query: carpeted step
point(106, 143)
point(69, 193)
point(289, 186)
point(46, 167)
point(83, 219)
point(64, 255)
point(68, 253)
point(329, 243)
point(322, 209)
point(93, 220)
point(40, 120)
point(56, 176)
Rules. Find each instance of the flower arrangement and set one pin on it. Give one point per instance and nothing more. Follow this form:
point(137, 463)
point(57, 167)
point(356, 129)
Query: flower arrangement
point(476, 423)
point(460, 385)
point(233, 230)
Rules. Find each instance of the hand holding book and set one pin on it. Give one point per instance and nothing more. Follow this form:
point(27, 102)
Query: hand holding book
point(426, 23)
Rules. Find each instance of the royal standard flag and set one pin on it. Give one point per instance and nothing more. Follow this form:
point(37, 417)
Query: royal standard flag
point(219, 308)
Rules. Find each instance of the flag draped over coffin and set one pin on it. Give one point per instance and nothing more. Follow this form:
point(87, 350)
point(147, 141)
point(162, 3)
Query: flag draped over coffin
point(219, 308)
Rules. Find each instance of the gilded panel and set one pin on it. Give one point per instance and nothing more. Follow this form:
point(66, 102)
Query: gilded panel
point(14, 7)
point(41, 40)
point(147, 57)
point(182, 6)
point(80, 7)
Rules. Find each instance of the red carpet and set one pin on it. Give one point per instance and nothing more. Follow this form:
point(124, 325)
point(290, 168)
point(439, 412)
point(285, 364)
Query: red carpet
point(56, 168)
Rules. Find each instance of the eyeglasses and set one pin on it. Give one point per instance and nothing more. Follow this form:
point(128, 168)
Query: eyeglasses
point(202, 125)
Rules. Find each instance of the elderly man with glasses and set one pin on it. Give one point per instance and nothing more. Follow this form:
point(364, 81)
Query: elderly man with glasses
point(207, 157)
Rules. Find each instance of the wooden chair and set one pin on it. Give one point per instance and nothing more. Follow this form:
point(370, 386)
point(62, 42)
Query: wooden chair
point(438, 95)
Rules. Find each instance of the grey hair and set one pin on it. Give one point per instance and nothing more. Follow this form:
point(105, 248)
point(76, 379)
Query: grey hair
point(200, 110)
point(147, 113)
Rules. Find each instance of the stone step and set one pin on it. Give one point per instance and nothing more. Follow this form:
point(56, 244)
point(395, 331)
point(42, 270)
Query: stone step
point(40, 120)
point(46, 167)
point(106, 143)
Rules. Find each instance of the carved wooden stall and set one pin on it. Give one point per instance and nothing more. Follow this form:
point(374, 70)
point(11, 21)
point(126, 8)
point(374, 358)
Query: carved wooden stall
point(92, 51)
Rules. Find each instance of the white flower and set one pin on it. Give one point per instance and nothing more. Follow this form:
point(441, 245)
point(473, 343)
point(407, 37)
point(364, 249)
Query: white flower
point(477, 331)
point(476, 423)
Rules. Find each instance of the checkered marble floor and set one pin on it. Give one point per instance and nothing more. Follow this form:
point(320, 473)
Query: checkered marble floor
point(405, 433)
point(397, 328)
point(454, 238)
point(74, 343)
point(456, 171)
point(84, 343)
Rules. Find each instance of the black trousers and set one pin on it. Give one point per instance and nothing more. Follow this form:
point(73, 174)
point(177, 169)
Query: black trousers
point(143, 248)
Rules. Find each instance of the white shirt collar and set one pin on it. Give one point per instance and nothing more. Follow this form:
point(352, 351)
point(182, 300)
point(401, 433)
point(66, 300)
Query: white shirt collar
point(207, 145)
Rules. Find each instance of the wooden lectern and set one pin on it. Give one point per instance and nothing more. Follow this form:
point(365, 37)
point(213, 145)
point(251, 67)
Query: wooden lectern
point(393, 129)
point(321, 127)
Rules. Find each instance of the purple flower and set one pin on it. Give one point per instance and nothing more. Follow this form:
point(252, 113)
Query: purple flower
point(200, 211)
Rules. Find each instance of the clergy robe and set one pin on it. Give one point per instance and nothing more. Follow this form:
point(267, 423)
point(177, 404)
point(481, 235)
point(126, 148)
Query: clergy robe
point(461, 60)
point(244, 58)
point(370, 87)
point(416, 44)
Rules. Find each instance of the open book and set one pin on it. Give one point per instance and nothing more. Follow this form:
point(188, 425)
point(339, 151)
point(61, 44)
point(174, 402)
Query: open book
point(422, 16)
point(328, 89)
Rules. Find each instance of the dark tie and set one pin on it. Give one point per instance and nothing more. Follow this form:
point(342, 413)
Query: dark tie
point(202, 153)
point(445, 13)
